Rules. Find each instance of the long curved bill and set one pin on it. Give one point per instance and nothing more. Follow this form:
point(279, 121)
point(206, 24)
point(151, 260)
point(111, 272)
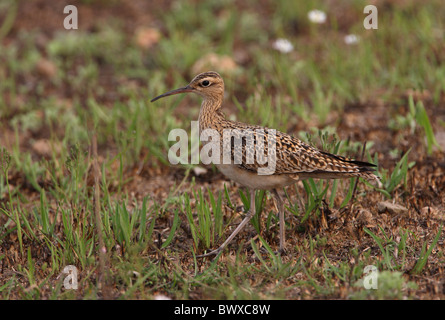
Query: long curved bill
point(176, 91)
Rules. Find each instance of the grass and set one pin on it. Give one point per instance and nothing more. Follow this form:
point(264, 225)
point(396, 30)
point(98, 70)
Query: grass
point(60, 90)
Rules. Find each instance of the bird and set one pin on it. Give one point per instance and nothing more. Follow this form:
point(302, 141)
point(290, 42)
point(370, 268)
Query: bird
point(289, 158)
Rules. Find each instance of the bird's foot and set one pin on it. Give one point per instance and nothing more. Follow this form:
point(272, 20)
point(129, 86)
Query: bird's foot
point(281, 252)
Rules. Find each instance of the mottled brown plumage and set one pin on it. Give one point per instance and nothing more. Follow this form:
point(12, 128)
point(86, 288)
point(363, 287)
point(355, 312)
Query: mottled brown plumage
point(293, 159)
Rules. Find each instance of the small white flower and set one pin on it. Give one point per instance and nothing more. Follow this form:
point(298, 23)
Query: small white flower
point(161, 297)
point(317, 16)
point(283, 45)
point(199, 171)
point(351, 39)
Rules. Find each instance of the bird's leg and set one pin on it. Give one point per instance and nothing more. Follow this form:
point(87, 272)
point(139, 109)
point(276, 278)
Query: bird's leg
point(280, 205)
point(301, 208)
point(249, 216)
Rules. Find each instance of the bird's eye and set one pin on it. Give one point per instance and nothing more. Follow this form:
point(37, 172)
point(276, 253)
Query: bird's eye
point(205, 83)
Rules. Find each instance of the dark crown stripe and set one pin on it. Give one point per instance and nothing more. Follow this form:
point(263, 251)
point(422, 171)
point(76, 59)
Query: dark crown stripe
point(210, 74)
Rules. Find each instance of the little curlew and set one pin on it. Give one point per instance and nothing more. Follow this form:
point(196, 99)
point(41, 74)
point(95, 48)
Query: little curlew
point(292, 159)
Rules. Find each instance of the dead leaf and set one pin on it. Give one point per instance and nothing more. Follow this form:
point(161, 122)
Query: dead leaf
point(42, 147)
point(365, 218)
point(213, 61)
point(147, 37)
point(46, 68)
point(390, 207)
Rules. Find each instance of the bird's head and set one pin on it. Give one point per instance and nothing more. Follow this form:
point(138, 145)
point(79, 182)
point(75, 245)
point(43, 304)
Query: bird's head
point(209, 85)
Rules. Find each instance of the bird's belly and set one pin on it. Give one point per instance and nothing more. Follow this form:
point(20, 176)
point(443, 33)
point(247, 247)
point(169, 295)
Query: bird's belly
point(252, 180)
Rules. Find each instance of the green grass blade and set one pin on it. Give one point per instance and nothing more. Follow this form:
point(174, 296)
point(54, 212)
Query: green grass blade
point(420, 264)
point(172, 230)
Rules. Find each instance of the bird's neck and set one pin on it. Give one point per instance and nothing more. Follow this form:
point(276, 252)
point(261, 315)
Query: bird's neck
point(210, 114)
